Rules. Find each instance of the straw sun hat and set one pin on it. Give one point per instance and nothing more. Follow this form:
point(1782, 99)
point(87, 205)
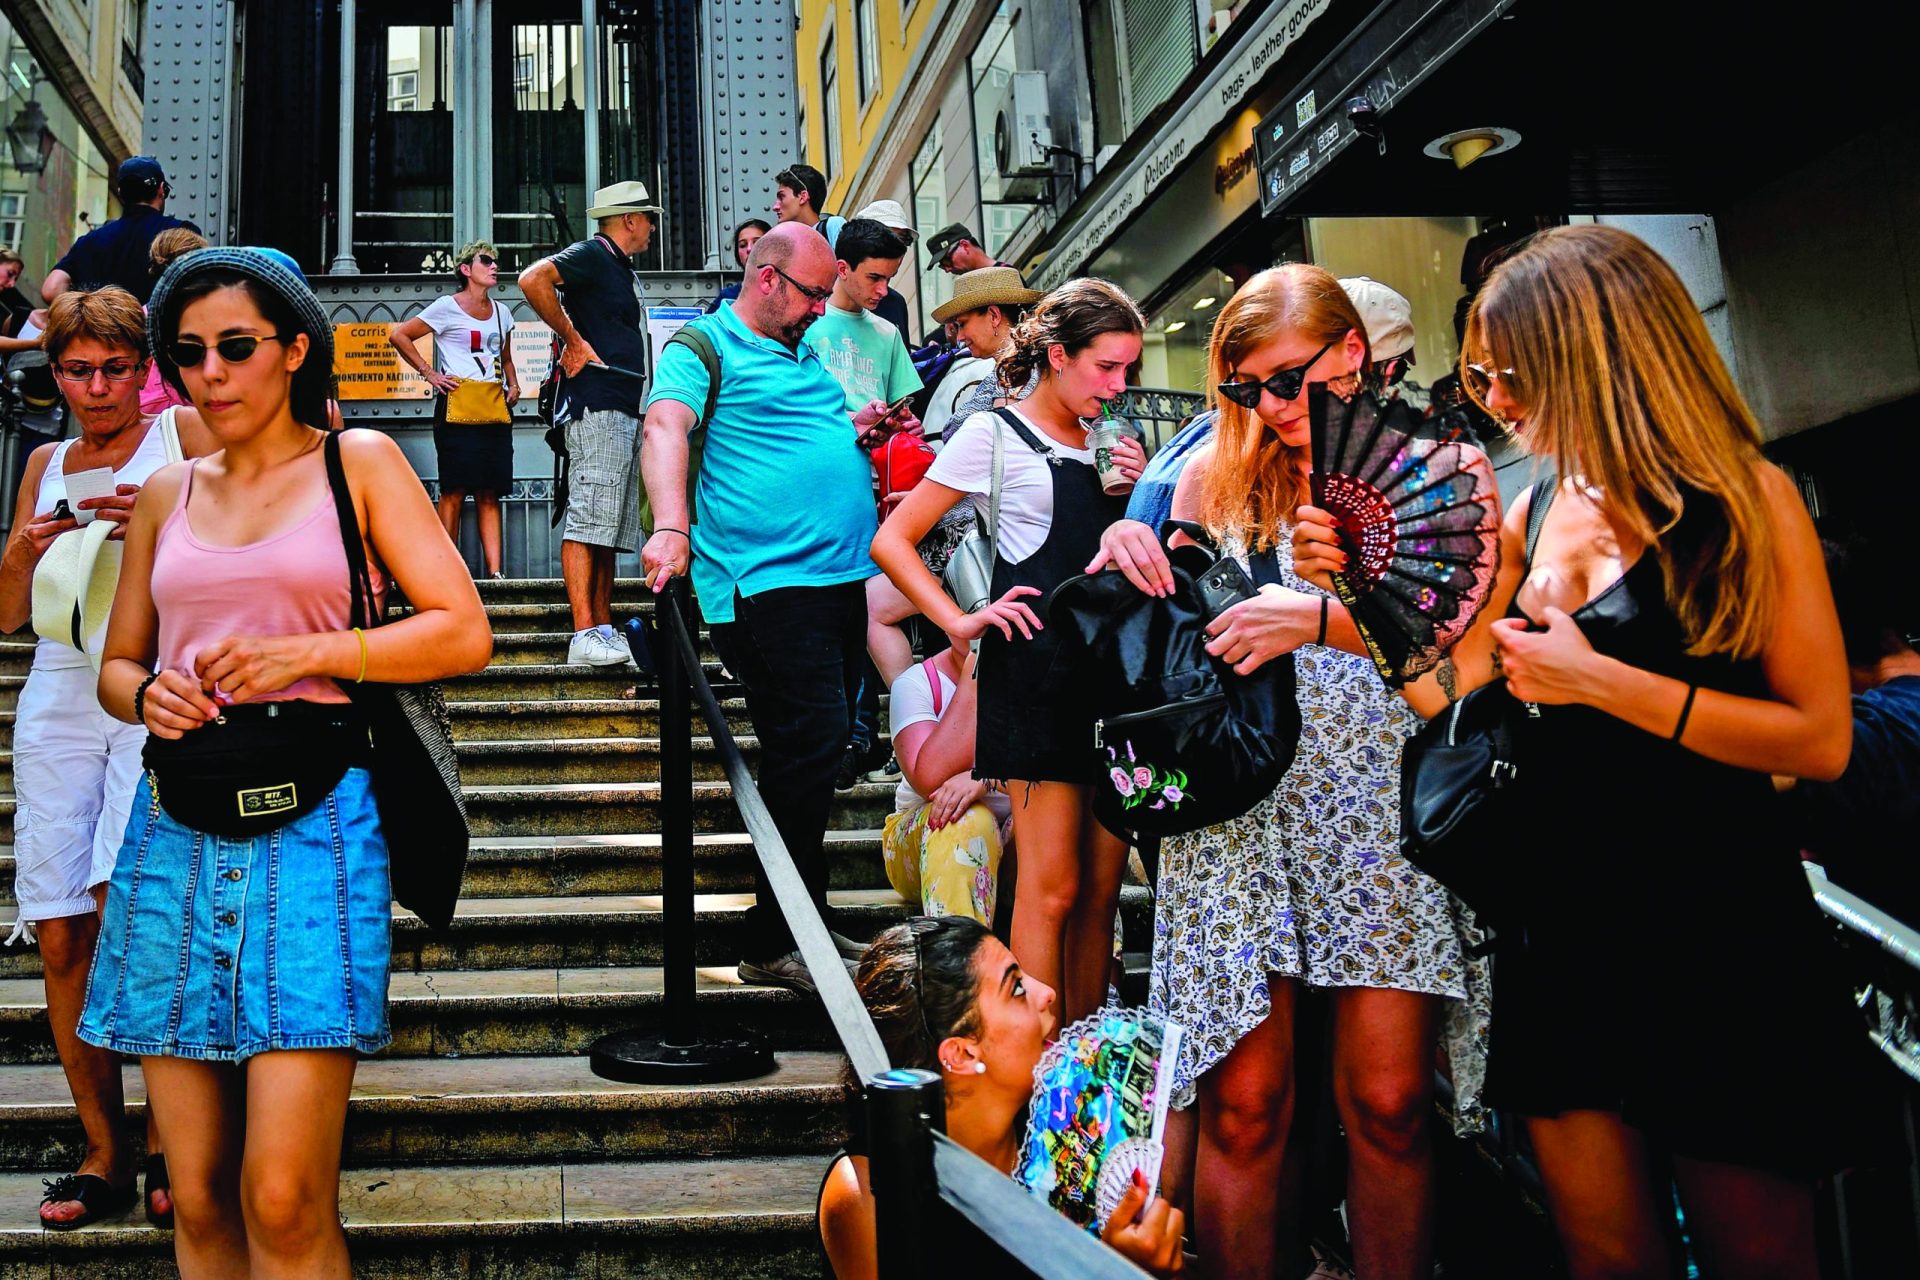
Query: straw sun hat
point(975, 289)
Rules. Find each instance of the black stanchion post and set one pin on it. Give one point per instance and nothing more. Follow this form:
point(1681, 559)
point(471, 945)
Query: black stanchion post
point(677, 1053)
point(676, 827)
point(904, 1107)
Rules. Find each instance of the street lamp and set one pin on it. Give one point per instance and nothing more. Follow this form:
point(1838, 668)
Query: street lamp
point(29, 139)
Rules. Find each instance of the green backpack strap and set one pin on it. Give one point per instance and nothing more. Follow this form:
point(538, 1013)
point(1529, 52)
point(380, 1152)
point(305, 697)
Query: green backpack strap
point(691, 336)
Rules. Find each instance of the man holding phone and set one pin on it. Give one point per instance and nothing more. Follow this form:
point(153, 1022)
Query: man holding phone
point(869, 358)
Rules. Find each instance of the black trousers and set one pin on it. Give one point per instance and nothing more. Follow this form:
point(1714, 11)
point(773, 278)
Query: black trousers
point(799, 651)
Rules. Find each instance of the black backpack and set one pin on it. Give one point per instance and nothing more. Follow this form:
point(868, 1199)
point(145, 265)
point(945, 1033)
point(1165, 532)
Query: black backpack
point(1180, 741)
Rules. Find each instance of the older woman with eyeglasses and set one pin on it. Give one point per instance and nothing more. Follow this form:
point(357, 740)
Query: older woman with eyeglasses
point(75, 767)
point(472, 340)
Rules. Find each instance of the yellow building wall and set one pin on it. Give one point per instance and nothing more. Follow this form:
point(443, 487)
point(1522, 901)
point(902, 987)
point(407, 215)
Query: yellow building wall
point(899, 27)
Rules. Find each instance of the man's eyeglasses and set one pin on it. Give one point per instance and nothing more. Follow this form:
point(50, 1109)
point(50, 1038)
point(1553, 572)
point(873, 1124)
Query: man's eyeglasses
point(235, 350)
point(1481, 377)
point(114, 371)
point(1285, 384)
point(811, 293)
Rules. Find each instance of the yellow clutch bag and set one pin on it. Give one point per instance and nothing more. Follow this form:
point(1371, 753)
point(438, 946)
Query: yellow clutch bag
point(478, 403)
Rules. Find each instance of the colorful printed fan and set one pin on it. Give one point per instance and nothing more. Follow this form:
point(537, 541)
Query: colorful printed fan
point(1099, 1113)
point(1419, 518)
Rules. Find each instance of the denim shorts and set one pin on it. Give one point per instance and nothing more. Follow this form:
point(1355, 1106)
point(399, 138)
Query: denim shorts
point(218, 949)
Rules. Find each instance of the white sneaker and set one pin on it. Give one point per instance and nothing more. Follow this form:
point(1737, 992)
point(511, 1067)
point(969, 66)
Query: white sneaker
point(592, 648)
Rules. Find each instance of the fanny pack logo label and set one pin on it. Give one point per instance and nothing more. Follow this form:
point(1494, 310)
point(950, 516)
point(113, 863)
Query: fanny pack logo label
point(256, 801)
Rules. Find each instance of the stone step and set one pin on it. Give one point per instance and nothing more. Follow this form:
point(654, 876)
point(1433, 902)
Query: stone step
point(407, 1111)
point(553, 591)
point(541, 1011)
point(593, 808)
point(10, 690)
point(544, 680)
point(521, 617)
point(522, 648)
point(528, 866)
point(724, 1218)
point(487, 720)
point(16, 653)
point(536, 762)
point(580, 930)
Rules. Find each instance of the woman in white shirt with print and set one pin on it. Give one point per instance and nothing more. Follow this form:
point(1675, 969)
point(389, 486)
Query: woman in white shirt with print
point(472, 338)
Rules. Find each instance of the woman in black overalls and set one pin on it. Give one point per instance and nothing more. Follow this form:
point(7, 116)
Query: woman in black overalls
point(1083, 337)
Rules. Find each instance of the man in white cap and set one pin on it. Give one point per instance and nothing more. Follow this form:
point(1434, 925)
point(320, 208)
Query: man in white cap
point(892, 308)
point(1389, 321)
point(603, 328)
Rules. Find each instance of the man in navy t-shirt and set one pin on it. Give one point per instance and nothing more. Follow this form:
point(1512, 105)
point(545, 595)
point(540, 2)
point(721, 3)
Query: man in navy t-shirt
point(116, 252)
point(603, 327)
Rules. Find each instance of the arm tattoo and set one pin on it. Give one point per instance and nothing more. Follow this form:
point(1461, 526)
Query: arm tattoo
point(1448, 676)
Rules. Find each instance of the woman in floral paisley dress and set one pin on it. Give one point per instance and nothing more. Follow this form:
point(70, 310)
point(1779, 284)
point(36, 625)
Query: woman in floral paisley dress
point(1308, 888)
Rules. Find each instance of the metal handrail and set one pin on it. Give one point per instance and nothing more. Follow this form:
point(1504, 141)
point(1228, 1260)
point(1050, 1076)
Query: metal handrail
point(912, 1160)
point(1892, 1025)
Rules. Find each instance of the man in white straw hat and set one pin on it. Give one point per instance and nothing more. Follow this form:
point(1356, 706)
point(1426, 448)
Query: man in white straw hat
point(603, 328)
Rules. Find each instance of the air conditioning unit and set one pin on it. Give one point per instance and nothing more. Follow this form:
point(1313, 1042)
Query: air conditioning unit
point(1022, 136)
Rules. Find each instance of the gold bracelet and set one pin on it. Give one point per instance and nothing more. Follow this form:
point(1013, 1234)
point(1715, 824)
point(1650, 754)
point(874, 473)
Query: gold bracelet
point(363, 655)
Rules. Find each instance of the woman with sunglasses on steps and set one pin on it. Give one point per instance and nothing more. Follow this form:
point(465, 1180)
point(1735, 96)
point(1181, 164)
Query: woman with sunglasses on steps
point(243, 957)
point(74, 767)
point(472, 341)
point(1082, 338)
point(1309, 888)
point(1671, 1017)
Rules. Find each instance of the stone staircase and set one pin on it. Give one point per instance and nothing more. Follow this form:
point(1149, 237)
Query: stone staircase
point(480, 1144)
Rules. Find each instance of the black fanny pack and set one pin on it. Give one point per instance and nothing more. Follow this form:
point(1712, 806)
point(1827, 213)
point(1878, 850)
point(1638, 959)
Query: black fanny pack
point(257, 767)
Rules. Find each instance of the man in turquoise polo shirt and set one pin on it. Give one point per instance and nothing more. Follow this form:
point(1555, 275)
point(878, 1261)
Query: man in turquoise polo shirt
point(779, 557)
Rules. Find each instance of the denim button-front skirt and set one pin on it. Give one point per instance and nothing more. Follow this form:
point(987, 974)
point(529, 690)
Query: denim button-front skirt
point(218, 949)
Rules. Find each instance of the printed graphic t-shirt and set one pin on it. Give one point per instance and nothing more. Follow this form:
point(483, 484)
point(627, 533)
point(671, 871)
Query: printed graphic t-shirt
point(865, 355)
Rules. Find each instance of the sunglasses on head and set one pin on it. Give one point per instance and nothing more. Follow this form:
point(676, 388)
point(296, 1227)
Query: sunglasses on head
point(1285, 384)
point(235, 350)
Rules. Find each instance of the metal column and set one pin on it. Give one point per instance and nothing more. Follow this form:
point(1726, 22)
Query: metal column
point(189, 62)
point(482, 132)
point(590, 74)
point(344, 263)
point(747, 91)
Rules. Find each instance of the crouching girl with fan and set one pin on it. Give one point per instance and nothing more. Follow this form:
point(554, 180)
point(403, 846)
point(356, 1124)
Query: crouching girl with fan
point(1082, 339)
point(1309, 888)
point(946, 996)
point(243, 950)
point(1675, 633)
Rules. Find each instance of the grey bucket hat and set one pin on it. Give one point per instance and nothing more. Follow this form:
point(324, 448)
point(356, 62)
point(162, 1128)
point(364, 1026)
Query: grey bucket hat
point(269, 269)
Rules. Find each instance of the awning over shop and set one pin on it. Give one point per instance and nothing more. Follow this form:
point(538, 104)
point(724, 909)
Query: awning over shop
point(1632, 106)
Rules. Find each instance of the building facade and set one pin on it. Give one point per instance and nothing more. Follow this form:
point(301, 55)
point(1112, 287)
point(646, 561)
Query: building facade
point(1177, 146)
point(74, 78)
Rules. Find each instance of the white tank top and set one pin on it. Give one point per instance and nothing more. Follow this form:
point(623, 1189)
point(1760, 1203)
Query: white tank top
point(148, 457)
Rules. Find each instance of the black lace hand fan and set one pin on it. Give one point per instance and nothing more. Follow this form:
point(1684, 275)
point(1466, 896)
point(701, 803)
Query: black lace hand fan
point(1419, 518)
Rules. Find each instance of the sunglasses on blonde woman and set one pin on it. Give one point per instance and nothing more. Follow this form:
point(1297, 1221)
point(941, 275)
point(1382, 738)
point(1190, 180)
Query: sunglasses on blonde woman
point(1284, 384)
point(1481, 377)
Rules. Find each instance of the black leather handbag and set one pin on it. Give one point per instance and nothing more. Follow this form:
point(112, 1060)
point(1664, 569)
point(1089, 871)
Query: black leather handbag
point(416, 775)
point(1457, 780)
point(1179, 741)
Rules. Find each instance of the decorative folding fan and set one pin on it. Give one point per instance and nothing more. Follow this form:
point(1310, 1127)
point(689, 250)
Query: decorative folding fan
point(1419, 518)
point(1099, 1113)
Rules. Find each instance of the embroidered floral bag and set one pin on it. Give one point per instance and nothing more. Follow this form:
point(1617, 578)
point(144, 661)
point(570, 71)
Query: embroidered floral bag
point(1179, 741)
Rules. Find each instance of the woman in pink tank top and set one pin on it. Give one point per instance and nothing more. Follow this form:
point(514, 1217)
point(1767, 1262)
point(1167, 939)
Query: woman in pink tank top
point(232, 620)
